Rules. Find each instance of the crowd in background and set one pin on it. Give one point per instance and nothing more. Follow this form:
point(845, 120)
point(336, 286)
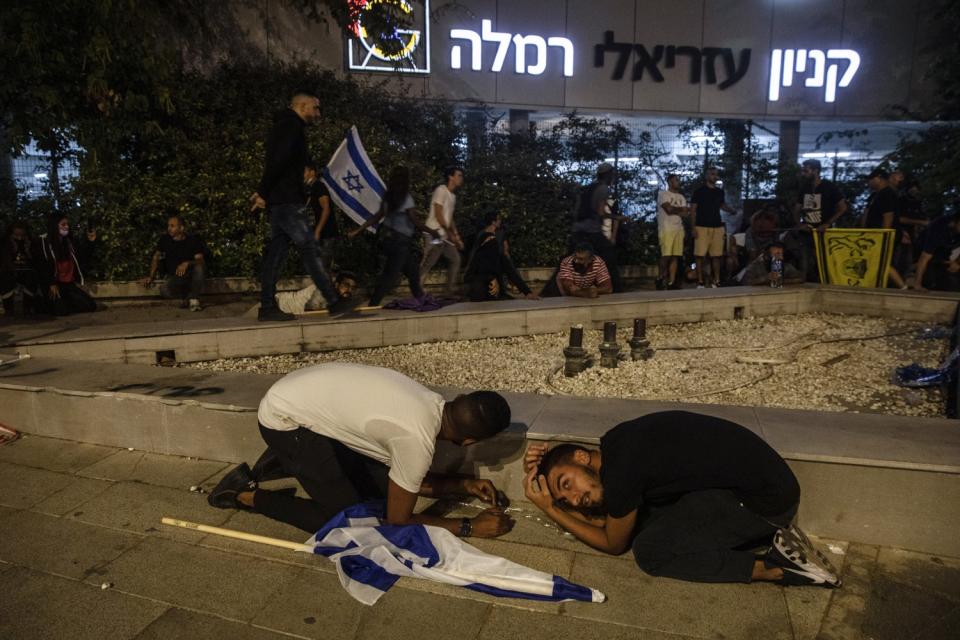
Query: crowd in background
point(703, 240)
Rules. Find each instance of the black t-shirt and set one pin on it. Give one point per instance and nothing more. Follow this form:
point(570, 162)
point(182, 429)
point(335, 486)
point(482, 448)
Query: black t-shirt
point(940, 240)
point(708, 201)
point(317, 191)
point(819, 203)
point(174, 252)
point(657, 458)
point(882, 202)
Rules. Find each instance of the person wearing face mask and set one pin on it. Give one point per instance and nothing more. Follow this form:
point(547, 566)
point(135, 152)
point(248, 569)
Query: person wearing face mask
point(583, 274)
point(62, 277)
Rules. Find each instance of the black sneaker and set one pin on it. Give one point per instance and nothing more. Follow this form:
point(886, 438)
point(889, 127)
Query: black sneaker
point(659, 284)
point(224, 495)
point(798, 569)
point(268, 467)
point(273, 314)
point(342, 305)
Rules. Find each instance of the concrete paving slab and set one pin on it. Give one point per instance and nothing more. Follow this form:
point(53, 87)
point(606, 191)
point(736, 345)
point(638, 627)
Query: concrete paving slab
point(311, 605)
point(747, 611)
point(917, 442)
point(933, 574)
point(179, 624)
point(150, 468)
point(60, 546)
point(509, 624)
point(42, 607)
point(196, 577)
point(947, 628)
point(138, 508)
point(807, 607)
point(23, 487)
point(72, 497)
point(847, 611)
point(895, 610)
point(402, 613)
point(53, 454)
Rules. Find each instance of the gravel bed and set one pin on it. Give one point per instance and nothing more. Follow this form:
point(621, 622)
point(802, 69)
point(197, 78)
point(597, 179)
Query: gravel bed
point(773, 361)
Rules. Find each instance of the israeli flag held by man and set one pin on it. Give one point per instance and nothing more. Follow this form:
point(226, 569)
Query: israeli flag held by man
point(370, 557)
point(353, 182)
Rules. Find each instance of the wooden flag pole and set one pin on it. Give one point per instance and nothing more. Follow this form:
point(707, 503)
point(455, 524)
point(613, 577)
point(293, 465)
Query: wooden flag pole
point(230, 533)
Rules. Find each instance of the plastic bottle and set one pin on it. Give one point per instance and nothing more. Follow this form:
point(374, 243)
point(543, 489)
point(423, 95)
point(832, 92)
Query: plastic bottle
point(776, 271)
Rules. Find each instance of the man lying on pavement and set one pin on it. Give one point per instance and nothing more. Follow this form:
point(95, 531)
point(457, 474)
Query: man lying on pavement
point(691, 494)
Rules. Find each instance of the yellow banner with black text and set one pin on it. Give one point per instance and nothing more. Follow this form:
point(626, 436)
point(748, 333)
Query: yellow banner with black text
point(854, 257)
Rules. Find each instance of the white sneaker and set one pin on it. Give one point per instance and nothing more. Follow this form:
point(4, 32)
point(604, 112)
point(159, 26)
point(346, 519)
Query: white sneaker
point(195, 305)
point(700, 285)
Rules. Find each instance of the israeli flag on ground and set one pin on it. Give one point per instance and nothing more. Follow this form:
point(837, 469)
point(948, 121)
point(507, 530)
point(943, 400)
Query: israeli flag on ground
point(370, 557)
point(353, 183)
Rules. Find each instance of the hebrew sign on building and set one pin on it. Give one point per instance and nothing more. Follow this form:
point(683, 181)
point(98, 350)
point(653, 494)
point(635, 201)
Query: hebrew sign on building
point(738, 58)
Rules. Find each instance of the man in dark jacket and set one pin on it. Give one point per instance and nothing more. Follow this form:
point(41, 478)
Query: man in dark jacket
point(281, 193)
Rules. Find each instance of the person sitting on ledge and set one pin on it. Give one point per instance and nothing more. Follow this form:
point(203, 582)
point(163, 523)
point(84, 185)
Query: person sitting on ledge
point(582, 274)
point(691, 494)
point(183, 260)
point(351, 433)
point(759, 272)
point(490, 264)
point(62, 257)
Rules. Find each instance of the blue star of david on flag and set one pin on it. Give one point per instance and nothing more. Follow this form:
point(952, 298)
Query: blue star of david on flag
point(352, 180)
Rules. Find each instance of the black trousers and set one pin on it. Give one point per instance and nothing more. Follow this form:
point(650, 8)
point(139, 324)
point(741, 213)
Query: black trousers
point(334, 476)
point(705, 536)
point(189, 285)
point(401, 259)
point(72, 299)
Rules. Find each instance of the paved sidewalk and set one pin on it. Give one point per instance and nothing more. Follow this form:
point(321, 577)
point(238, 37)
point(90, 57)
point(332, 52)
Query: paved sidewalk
point(76, 516)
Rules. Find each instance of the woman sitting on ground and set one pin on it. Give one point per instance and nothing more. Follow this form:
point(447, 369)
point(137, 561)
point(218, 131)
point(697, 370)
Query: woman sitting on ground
point(62, 276)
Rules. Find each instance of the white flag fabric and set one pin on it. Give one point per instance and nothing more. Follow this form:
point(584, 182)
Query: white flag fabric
point(370, 557)
point(353, 182)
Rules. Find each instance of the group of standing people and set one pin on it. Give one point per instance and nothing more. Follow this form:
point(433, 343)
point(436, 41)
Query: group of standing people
point(785, 236)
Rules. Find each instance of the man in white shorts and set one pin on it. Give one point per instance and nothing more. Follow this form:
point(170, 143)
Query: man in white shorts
point(671, 210)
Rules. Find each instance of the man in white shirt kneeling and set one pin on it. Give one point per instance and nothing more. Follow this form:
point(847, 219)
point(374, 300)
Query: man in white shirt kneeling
point(350, 433)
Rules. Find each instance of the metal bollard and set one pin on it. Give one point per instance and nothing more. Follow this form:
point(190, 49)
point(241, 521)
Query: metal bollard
point(639, 345)
point(574, 355)
point(609, 349)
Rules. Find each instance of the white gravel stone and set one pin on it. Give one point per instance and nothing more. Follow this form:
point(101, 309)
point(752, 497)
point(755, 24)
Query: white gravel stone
point(774, 361)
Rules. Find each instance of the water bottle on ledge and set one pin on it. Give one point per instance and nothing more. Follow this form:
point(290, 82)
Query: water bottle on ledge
point(776, 273)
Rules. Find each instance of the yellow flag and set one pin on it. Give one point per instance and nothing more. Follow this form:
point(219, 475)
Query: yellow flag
point(854, 257)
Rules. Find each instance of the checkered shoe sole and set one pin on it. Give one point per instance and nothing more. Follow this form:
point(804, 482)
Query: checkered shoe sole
point(812, 550)
point(791, 547)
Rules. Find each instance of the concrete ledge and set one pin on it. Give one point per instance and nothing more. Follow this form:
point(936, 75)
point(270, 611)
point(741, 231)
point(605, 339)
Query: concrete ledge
point(132, 292)
point(874, 479)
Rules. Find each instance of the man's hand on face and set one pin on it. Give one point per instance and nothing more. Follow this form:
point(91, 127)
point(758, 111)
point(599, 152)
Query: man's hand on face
point(491, 523)
point(482, 489)
point(533, 456)
point(535, 490)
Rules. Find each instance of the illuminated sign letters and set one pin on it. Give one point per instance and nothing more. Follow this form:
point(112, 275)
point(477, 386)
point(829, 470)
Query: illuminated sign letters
point(534, 64)
point(785, 62)
point(649, 60)
point(406, 49)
